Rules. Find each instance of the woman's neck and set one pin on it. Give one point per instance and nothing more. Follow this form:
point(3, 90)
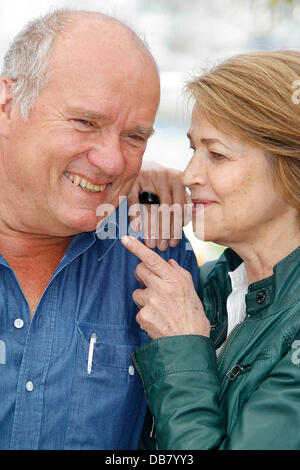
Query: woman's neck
point(267, 248)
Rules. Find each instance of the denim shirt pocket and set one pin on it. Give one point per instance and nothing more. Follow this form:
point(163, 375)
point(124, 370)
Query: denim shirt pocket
point(113, 347)
point(109, 393)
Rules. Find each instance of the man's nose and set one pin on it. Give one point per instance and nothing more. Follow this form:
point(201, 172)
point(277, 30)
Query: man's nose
point(108, 157)
point(195, 172)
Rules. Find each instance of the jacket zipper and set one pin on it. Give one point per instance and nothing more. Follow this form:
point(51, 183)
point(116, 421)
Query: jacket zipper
point(220, 334)
point(217, 314)
point(235, 371)
point(216, 303)
point(226, 342)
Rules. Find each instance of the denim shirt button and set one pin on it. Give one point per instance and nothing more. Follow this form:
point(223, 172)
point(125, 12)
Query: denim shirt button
point(18, 323)
point(131, 370)
point(29, 386)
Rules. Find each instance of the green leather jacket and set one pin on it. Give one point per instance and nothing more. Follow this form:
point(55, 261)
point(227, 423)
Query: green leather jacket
point(248, 398)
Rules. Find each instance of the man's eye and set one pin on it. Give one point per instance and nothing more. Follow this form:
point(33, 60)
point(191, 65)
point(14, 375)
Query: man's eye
point(137, 138)
point(83, 123)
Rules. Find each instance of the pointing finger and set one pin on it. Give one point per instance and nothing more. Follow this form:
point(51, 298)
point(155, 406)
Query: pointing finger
point(151, 259)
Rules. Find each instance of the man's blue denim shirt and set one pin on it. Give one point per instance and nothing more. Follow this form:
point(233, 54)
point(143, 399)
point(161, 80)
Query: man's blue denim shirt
point(48, 398)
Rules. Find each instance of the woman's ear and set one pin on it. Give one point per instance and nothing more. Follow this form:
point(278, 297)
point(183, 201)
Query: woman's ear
point(5, 105)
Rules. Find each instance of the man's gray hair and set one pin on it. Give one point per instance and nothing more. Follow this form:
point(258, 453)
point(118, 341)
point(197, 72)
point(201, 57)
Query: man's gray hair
point(28, 56)
point(27, 59)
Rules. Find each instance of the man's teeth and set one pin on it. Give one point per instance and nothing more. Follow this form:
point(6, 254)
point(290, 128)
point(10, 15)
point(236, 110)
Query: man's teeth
point(86, 185)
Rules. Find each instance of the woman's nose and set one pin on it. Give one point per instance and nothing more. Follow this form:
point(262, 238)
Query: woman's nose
point(195, 172)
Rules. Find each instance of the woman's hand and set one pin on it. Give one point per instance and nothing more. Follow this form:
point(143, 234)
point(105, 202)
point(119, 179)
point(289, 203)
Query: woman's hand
point(169, 304)
point(162, 226)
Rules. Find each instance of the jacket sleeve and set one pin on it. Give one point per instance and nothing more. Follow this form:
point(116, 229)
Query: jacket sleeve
point(181, 383)
point(182, 388)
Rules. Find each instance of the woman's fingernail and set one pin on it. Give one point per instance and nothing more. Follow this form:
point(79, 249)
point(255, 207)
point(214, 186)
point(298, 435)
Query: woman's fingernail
point(126, 239)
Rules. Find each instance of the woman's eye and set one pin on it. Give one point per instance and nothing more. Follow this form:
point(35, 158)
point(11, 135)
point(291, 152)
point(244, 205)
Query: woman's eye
point(217, 156)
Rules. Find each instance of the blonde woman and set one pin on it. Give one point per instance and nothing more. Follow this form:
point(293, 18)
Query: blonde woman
point(223, 369)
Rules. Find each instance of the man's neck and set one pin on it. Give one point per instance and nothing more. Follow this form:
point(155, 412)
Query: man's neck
point(33, 260)
point(19, 245)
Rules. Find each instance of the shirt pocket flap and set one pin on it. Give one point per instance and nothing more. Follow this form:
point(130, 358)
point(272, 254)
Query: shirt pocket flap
point(113, 347)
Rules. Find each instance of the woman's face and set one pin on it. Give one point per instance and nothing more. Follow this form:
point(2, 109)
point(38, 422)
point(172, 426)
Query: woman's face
point(234, 185)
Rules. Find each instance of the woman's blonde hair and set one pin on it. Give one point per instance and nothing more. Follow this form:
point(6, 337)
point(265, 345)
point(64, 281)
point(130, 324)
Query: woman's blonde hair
point(252, 95)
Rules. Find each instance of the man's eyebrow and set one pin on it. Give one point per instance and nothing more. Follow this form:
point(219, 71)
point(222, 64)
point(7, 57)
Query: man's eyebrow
point(146, 131)
point(87, 114)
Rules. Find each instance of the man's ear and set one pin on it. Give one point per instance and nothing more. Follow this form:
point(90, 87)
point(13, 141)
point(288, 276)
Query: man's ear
point(5, 105)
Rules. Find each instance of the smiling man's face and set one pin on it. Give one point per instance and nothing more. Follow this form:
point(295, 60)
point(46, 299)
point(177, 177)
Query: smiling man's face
point(83, 142)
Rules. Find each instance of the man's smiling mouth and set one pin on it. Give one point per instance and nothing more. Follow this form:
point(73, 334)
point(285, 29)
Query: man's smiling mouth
point(84, 183)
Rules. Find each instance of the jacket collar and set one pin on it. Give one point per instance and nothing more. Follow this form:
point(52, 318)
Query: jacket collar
point(278, 290)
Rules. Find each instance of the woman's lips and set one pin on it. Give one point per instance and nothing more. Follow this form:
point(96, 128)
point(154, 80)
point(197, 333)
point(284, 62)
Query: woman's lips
point(203, 203)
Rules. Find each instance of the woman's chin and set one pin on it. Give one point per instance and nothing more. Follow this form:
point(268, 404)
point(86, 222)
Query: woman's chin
point(208, 236)
point(203, 234)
